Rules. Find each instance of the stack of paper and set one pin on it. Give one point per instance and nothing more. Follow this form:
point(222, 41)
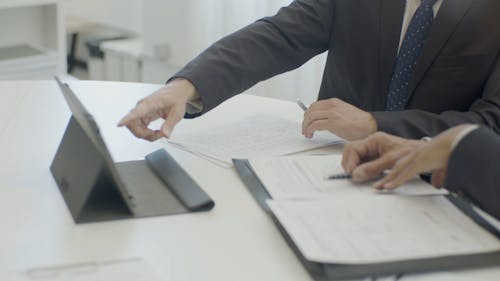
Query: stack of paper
point(357, 229)
point(254, 136)
point(299, 177)
point(340, 222)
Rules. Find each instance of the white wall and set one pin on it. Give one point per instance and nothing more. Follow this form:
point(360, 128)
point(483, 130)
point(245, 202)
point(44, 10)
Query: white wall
point(175, 31)
point(122, 14)
point(181, 29)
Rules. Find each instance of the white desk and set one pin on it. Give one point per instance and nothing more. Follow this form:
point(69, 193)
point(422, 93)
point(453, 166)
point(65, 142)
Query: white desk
point(234, 241)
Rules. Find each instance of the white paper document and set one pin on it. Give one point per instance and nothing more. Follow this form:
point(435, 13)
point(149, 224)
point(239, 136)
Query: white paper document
point(254, 136)
point(359, 228)
point(306, 176)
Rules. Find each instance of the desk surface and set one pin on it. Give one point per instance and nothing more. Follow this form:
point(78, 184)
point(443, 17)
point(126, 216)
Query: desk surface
point(234, 241)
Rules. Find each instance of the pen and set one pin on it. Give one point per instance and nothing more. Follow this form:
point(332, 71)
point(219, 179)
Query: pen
point(339, 177)
point(302, 105)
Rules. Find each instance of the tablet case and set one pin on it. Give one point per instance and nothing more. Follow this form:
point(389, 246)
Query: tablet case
point(325, 271)
point(97, 189)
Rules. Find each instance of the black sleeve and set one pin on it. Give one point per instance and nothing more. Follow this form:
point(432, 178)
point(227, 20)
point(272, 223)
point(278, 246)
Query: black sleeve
point(261, 50)
point(418, 123)
point(474, 170)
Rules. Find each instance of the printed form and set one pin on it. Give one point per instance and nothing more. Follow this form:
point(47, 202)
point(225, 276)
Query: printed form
point(340, 222)
point(254, 136)
point(359, 228)
point(306, 176)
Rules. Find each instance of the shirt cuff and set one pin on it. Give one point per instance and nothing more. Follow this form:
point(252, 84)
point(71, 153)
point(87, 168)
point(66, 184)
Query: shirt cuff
point(462, 135)
point(194, 107)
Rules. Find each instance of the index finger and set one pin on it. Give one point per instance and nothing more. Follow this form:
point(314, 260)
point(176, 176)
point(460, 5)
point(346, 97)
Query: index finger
point(144, 108)
point(140, 130)
point(135, 114)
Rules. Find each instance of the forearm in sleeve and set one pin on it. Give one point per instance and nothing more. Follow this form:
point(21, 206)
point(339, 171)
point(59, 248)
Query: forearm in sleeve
point(418, 123)
point(473, 169)
point(261, 50)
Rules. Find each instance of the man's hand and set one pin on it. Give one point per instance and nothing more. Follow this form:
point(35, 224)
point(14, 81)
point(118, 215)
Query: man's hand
point(433, 157)
point(368, 159)
point(340, 118)
point(168, 103)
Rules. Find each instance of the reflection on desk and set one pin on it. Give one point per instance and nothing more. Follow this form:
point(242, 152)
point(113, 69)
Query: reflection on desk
point(115, 270)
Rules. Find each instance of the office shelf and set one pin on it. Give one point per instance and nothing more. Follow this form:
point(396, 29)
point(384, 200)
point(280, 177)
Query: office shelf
point(32, 45)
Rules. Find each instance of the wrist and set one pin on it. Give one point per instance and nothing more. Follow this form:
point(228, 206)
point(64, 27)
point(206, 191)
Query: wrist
point(372, 124)
point(187, 89)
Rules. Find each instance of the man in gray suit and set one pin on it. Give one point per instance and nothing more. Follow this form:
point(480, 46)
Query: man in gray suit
point(464, 159)
point(412, 68)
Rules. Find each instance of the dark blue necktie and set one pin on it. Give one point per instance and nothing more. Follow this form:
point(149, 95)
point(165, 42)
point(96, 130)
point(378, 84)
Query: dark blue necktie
point(406, 61)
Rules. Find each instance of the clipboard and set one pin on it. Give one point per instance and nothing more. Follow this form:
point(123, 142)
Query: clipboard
point(328, 271)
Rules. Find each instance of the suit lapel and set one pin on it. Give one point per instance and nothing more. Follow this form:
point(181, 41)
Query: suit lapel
point(391, 21)
point(449, 15)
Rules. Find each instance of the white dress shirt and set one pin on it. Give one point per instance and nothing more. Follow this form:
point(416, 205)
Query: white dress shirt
point(410, 9)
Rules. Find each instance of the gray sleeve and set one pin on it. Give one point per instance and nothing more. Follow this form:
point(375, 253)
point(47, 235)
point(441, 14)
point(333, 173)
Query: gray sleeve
point(474, 170)
point(419, 123)
point(261, 50)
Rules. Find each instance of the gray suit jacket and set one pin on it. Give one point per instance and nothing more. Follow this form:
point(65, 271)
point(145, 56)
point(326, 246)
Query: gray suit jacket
point(457, 78)
point(474, 170)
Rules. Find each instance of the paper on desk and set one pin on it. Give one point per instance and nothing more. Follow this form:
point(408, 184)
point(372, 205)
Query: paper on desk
point(119, 270)
point(216, 161)
point(358, 228)
point(254, 136)
point(306, 176)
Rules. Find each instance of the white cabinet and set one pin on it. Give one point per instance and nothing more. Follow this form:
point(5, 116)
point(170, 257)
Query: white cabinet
point(32, 39)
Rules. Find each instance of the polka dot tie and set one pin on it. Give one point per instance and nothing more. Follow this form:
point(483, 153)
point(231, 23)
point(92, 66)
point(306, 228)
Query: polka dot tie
point(406, 62)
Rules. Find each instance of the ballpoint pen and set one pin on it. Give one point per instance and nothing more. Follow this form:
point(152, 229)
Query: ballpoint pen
point(341, 176)
point(301, 104)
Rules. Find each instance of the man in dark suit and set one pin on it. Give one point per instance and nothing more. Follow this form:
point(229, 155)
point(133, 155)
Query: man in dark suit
point(464, 159)
point(412, 68)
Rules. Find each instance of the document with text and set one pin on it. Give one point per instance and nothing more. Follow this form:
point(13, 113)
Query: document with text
point(254, 136)
point(307, 176)
point(358, 228)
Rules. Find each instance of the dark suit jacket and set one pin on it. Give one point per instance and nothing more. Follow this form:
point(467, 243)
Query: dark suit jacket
point(474, 170)
point(457, 78)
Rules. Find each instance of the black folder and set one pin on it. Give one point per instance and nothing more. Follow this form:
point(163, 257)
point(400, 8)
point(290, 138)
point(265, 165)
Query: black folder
point(327, 271)
point(97, 189)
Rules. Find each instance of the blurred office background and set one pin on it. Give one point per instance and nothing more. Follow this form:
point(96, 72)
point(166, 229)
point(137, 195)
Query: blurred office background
point(131, 40)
